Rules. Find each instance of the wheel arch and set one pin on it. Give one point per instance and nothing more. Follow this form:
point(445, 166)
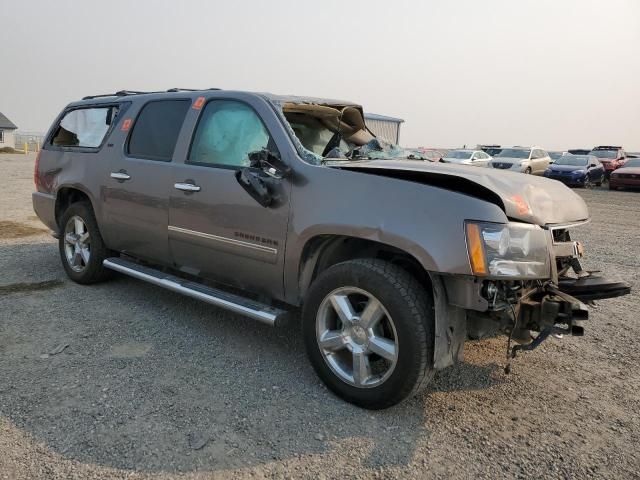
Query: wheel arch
point(68, 195)
point(322, 251)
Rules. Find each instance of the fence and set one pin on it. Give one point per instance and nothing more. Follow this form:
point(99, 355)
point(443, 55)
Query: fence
point(28, 141)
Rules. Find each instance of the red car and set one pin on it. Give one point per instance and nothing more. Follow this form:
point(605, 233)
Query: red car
point(626, 176)
point(610, 157)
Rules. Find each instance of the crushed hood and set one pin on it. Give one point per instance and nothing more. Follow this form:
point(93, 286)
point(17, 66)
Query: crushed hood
point(523, 197)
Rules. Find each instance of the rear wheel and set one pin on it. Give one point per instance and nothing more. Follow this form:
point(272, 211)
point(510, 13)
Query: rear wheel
point(368, 330)
point(82, 250)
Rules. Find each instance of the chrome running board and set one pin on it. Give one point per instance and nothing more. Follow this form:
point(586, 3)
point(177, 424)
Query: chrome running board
point(234, 303)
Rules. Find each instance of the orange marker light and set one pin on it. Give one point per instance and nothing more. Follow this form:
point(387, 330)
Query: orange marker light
point(197, 105)
point(126, 125)
point(476, 253)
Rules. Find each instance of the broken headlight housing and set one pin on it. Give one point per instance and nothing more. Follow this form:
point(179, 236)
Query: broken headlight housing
point(508, 250)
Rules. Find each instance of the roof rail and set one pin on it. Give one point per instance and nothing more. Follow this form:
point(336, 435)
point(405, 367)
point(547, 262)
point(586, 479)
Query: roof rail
point(190, 89)
point(125, 93)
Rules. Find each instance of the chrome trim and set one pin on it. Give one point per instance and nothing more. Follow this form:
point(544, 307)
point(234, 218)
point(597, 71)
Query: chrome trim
point(559, 226)
point(187, 187)
point(231, 241)
point(120, 176)
point(262, 316)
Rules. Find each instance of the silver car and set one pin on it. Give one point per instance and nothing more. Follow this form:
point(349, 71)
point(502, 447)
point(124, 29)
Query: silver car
point(476, 158)
point(532, 160)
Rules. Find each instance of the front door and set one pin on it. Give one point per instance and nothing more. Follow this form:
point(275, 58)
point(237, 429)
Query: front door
point(135, 197)
point(216, 229)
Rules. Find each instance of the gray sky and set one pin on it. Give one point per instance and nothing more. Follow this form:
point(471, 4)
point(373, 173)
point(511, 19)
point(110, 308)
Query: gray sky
point(556, 73)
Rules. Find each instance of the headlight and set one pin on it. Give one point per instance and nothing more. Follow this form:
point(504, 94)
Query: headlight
point(575, 172)
point(514, 250)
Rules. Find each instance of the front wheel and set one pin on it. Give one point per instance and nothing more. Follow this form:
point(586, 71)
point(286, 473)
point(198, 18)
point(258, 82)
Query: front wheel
point(528, 171)
point(368, 331)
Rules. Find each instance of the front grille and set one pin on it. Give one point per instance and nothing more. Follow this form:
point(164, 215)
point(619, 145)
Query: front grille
point(502, 165)
point(628, 175)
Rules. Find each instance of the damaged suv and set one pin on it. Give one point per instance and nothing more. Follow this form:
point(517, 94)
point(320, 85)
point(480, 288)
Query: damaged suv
point(261, 204)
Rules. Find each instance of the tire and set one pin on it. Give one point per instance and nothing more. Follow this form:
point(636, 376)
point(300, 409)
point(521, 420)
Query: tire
point(612, 188)
point(528, 171)
point(407, 320)
point(599, 184)
point(82, 260)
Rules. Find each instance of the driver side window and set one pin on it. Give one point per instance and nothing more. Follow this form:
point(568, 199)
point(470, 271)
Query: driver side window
point(228, 130)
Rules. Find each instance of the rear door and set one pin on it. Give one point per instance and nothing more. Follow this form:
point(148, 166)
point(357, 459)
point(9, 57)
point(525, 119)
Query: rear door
point(136, 194)
point(216, 229)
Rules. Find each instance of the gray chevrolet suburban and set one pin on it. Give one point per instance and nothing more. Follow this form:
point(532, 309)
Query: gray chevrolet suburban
point(264, 204)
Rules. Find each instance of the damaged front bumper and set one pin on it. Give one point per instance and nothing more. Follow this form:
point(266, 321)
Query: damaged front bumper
point(527, 311)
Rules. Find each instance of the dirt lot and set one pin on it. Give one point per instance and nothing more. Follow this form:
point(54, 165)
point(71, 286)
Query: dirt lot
point(125, 380)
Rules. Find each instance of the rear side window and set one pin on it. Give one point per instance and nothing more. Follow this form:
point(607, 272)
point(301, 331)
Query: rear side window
point(156, 130)
point(84, 127)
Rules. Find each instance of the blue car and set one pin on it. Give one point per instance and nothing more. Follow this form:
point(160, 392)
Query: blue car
point(577, 170)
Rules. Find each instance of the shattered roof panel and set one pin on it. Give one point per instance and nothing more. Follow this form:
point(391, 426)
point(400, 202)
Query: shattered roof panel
point(6, 123)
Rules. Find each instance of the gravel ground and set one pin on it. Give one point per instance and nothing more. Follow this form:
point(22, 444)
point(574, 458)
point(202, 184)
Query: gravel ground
point(126, 380)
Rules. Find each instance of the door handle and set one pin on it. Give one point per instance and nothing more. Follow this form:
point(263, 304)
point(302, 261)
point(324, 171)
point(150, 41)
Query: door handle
point(120, 176)
point(187, 187)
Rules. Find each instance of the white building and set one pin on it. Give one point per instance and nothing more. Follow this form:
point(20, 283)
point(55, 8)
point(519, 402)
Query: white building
point(385, 127)
point(7, 131)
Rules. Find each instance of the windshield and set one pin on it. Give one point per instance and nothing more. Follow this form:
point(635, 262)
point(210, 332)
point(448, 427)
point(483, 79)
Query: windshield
point(337, 132)
point(513, 153)
point(555, 155)
point(633, 163)
point(459, 154)
point(604, 153)
point(575, 160)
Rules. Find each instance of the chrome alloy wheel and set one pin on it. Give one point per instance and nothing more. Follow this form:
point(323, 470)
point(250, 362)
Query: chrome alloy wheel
point(357, 337)
point(77, 244)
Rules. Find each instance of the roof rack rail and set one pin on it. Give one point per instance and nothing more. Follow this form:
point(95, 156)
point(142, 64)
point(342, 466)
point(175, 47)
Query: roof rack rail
point(175, 89)
point(124, 93)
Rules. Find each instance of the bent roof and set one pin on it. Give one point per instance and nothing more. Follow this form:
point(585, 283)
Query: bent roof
point(384, 118)
point(6, 124)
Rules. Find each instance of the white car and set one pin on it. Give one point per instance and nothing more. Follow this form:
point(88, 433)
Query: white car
point(533, 160)
point(476, 158)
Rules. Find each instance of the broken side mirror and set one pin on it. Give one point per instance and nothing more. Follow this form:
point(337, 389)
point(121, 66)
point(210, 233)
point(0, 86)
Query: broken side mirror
point(255, 186)
point(270, 163)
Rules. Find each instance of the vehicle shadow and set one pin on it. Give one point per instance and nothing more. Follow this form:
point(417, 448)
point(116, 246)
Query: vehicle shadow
point(127, 375)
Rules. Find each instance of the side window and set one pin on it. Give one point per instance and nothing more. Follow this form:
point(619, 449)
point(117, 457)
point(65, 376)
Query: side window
point(227, 132)
point(535, 154)
point(84, 127)
point(156, 129)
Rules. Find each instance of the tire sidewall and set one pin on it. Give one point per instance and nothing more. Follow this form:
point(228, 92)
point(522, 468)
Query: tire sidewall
point(94, 270)
point(414, 347)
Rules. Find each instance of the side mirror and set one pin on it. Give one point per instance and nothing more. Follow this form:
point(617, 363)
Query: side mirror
point(255, 186)
point(269, 163)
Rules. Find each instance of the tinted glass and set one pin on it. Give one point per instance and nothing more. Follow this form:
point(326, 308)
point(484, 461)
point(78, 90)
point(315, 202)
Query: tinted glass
point(605, 153)
point(459, 154)
point(227, 132)
point(85, 127)
point(156, 130)
point(513, 153)
point(575, 160)
point(635, 162)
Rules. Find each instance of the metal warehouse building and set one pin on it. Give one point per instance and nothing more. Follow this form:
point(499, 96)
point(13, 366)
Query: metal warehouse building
point(385, 127)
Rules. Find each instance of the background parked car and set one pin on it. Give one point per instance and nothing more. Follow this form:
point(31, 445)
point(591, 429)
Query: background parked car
point(611, 157)
point(432, 154)
point(477, 158)
point(491, 150)
point(626, 176)
point(578, 170)
point(522, 159)
point(556, 155)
